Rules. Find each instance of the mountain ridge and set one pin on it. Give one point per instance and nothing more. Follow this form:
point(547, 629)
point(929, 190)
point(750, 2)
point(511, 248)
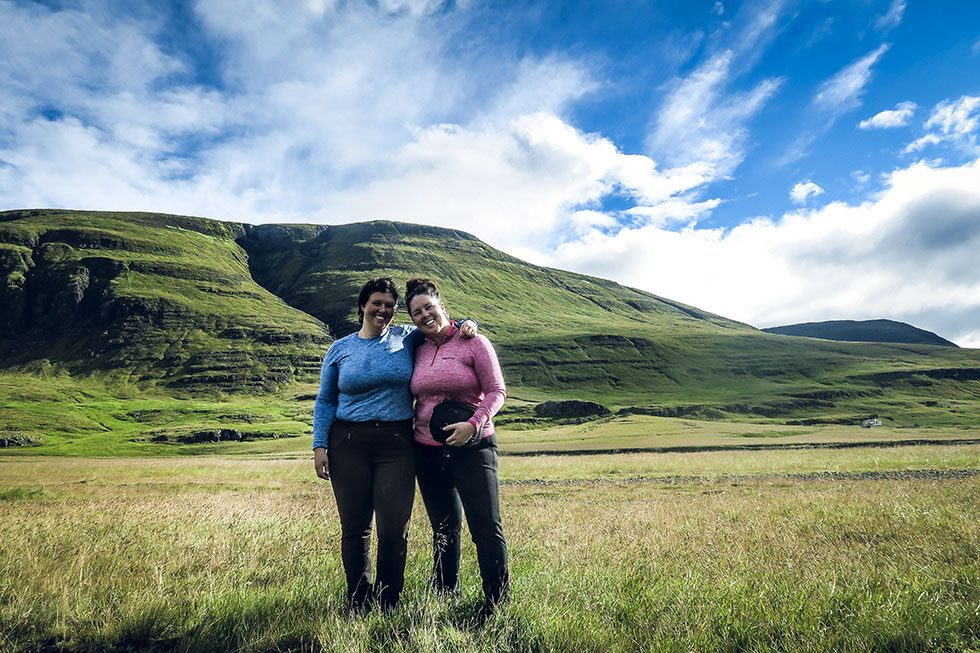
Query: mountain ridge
point(881, 330)
point(353, 248)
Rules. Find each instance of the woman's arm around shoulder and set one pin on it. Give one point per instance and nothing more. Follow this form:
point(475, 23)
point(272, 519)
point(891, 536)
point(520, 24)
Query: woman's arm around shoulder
point(491, 380)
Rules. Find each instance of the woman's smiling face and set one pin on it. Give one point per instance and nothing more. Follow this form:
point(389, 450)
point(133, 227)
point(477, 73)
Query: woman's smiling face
point(428, 314)
point(379, 311)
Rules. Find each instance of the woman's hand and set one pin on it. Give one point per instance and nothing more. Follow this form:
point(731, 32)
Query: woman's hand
point(321, 463)
point(460, 433)
point(468, 329)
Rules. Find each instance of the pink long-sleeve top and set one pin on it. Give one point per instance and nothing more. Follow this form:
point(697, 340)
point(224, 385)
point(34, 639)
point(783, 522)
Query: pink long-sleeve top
point(457, 370)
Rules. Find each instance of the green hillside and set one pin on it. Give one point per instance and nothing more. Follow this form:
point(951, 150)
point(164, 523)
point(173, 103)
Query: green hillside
point(149, 300)
point(161, 330)
point(565, 335)
point(320, 269)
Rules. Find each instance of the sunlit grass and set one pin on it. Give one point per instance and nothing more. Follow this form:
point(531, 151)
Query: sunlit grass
point(640, 432)
point(243, 554)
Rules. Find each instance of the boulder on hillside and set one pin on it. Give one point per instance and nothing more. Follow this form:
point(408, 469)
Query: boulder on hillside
point(570, 408)
point(17, 439)
point(207, 436)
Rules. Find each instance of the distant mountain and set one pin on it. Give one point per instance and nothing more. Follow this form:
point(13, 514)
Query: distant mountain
point(863, 331)
point(192, 306)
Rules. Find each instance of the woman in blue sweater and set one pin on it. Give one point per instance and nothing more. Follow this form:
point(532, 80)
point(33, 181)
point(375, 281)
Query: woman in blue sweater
point(362, 442)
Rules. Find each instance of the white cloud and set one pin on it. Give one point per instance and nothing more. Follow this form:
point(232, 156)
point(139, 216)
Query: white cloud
point(922, 143)
point(756, 27)
point(332, 114)
point(843, 91)
point(897, 117)
point(338, 112)
point(892, 18)
point(415, 7)
point(956, 118)
point(804, 190)
point(821, 31)
point(836, 96)
point(953, 122)
point(701, 121)
point(861, 179)
point(513, 182)
point(718, 9)
point(909, 254)
point(548, 84)
point(674, 211)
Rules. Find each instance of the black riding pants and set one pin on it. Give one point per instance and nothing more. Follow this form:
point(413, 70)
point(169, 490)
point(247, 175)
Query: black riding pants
point(372, 470)
point(457, 479)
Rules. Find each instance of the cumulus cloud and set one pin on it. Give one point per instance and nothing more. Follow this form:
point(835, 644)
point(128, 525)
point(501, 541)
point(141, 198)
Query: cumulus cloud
point(953, 122)
point(527, 179)
point(956, 118)
point(803, 191)
point(908, 254)
point(332, 114)
point(897, 117)
point(843, 91)
point(923, 142)
point(310, 102)
point(674, 211)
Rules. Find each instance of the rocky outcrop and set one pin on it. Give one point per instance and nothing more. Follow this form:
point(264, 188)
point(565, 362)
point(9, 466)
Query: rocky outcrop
point(10, 439)
point(52, 283)
point(569, 409)
point(204, 436)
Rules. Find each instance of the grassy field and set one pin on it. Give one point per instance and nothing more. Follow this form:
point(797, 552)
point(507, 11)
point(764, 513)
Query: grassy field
point(864, 549)
point(636, 432)
point(70, 416)
point(66, 416)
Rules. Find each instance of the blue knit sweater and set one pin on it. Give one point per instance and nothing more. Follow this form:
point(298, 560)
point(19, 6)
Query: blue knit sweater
point(366, 380)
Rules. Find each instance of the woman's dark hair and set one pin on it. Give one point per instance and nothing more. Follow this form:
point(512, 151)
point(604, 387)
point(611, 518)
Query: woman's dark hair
point(417, 286)
point(381, 284)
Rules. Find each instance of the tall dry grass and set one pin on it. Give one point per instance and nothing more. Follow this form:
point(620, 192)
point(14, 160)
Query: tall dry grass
point(243, 555)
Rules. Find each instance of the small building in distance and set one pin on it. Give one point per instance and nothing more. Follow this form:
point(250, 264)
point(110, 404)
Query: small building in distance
point(871, 421)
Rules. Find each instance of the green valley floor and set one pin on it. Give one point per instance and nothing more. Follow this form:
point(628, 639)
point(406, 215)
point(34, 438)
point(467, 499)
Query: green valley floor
point(831, 549)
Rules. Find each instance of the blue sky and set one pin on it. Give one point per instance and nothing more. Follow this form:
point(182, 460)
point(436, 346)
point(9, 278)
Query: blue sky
point(773, 161)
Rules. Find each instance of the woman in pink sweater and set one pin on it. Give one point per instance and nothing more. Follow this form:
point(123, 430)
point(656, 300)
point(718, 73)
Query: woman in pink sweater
point(460, 475)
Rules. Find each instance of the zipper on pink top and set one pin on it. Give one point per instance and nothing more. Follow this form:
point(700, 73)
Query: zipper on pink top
point(452, 332)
